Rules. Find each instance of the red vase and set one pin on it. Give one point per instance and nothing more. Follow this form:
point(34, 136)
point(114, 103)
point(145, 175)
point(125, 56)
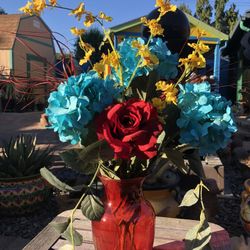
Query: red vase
point(129, 220)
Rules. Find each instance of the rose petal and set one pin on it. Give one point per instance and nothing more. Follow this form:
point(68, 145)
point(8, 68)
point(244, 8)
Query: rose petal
point(113, 111)
point(134, 137)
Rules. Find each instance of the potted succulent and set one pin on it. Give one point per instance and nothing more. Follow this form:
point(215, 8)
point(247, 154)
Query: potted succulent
point(21, 185)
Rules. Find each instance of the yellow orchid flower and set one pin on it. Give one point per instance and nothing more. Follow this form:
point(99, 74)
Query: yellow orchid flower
point(199, 47)
point(99, 67)
point(194, 60)
point(169, 91)
point(161, 85)
point(27, 8)
point(53, 2)
point(136, 44)
point(148, 59)
point(197, 60)
point(165, 6)
point(38, 6)
point(111, 59)
point(86, 57)
point(89, 19)
point(77, 32)
point(103, 16)
point(158, 103)
point(78, 11)
point(88, 49)
point(34, 7)
point(200, 33)
point(153, 25)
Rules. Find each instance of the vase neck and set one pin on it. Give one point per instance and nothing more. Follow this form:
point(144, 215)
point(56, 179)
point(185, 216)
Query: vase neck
point(117, 190)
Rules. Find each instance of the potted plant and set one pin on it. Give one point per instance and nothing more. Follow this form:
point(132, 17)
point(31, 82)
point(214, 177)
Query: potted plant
point(160, 190)
point(21, 185)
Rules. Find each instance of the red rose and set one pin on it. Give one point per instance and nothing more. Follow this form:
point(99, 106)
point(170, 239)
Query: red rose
point(131, 129)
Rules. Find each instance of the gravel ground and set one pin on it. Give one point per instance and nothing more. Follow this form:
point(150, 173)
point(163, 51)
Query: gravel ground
point(228, 216)
point(30, 225)
point(229, 204)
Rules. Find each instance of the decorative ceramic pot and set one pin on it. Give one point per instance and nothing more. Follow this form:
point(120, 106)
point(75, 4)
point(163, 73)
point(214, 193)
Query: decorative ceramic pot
point(129, 220)
point(245, 206)
point(22, 195)
point(163, 202)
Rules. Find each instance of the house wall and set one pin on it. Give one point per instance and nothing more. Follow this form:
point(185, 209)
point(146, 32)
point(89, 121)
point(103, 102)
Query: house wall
point(5, 62)
point(246, 88)
point(33, 54)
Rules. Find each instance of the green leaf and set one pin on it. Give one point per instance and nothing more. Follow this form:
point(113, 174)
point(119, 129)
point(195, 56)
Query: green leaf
point(73, 160)
point(191, 197)
point(142, 94)
point(77, 237)
point(85, 160)
point(195, 162)
point(61, 226)
point(198, 236)
point(161, 137)
point(92, 207)
point(54, 181)
point(184, 147)
point(96, 151)
point(176, 157)
point(108, 173)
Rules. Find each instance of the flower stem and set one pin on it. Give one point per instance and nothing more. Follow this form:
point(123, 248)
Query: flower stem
point(137, 66)
point(182, 76)
point(77, 205)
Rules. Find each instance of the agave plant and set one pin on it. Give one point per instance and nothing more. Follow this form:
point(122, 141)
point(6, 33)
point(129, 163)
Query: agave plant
point(21, 158)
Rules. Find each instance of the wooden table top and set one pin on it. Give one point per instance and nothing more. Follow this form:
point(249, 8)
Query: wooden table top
point(169, 234)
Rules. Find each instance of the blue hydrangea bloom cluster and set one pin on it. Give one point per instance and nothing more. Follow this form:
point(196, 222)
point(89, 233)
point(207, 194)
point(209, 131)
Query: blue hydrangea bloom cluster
point(206, 119)
point(167, 67)
point(75, 103)
point(129, 59)
point(168, 62)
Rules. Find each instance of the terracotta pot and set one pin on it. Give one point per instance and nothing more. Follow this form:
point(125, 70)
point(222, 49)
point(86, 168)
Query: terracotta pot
point(44, 120)
point(163, 202)
point(22, 195)
point(128, 221)
point(247, 185)
point(246, 225)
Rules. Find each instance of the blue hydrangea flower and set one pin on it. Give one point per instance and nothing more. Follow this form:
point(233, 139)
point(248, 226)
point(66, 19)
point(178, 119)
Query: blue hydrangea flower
point(75, 103)
point(206, 119)
point(129, 59)
point(168, 62)
point(167, 67)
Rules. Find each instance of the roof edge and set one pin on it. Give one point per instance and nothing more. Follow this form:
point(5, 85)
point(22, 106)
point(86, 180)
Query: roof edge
point(191, 19)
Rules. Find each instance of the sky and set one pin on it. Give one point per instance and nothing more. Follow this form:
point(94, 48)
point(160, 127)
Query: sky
point(120, 10)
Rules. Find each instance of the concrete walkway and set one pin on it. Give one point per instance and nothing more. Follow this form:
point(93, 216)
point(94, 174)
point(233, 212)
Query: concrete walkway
point(12, 124)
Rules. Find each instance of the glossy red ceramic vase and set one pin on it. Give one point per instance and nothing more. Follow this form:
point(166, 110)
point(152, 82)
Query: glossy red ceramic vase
point(129, 220)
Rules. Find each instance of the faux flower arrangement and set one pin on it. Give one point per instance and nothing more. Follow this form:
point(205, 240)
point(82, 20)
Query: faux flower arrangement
point(123, 130)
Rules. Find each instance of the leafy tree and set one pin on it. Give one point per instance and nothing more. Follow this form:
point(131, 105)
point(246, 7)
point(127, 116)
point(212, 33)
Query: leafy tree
point(185, 8)
point(231, 16)
point(203, 11)
point(94, 37)
point(224, 19)
point(220, 16)
point(2, 11)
